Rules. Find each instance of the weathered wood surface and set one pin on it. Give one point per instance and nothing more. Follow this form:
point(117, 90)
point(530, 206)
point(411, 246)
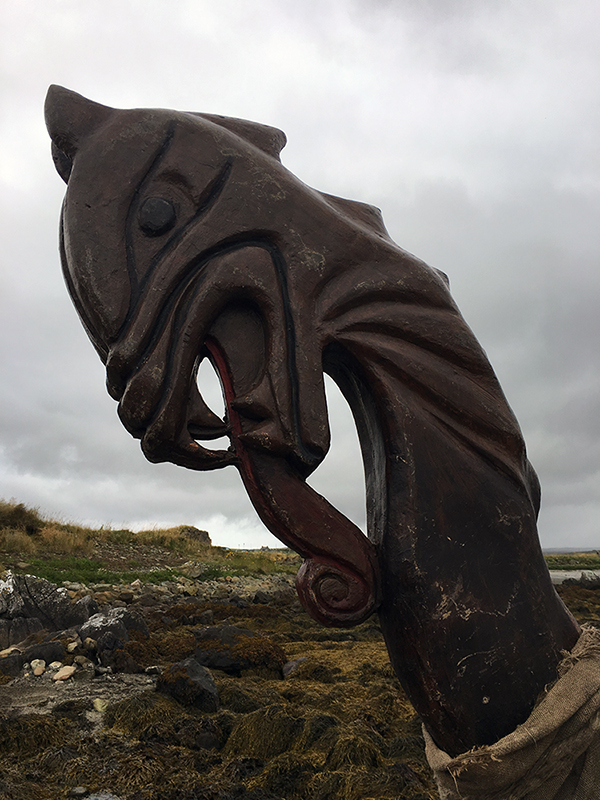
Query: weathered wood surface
point(183, 237)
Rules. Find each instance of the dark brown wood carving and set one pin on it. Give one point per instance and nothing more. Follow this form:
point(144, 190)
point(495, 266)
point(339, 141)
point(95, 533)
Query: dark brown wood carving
point(183, 238)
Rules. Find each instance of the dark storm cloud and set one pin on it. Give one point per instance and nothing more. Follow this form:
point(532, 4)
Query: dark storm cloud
point(472, 125)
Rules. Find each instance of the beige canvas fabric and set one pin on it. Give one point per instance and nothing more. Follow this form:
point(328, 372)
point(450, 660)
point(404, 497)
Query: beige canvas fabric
point(554, 755)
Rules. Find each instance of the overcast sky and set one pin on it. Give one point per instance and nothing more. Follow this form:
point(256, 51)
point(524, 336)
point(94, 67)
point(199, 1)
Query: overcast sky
point(474, 126)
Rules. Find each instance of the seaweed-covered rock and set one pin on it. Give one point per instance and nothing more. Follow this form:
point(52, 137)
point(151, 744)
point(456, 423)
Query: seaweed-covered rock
point(233, 649)
point(287, 774)
point(339, 727)
point(111, 631)
point(265, 733)
point(190, 684)
point(353, 749)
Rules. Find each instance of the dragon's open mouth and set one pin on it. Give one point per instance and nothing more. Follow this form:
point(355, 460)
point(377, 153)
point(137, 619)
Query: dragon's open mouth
point(152, 368)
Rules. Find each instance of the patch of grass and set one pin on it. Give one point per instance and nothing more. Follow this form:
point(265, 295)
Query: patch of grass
point(262, 562)
point(17, 542)
point(69, 568)
point(117, 537)
point(88, 570)
point(55, 539)
point(572, 561)
point(18, 517)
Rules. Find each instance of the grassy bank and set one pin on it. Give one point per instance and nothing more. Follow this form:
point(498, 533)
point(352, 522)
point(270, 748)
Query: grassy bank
point(60, 551)
point(572, 561)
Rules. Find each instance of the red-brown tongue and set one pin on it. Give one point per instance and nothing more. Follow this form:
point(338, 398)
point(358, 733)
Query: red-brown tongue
point(338, 583)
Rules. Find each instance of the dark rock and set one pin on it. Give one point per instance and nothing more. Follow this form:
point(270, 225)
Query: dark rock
point(110, 646)
point(47, 651)
point(133, 621)
point(86, 606)
point(85, 672)
point(110, 641)
point(233, 649)
point(30, 597)
point(11, 665)
point(117, 621)
point(18, 629)
point(148, 599)
point(29, 604)
point(105, 629)
point(199, 734)
point(587, 580)
point(189, 683)
point(207, 617)
point(195, 534)
point(119, 660)
point(70, 634)
point(261, 597)
point(4, 633)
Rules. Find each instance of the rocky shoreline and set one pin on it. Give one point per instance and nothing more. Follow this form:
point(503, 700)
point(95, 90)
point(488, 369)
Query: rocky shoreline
point(199, 690)
point(190, 584)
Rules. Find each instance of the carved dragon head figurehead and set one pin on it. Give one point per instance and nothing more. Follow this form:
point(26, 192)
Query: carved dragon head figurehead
point(184, 237)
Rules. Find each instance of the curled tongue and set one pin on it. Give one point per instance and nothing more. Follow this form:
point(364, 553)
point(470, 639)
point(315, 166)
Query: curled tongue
point(338, 583)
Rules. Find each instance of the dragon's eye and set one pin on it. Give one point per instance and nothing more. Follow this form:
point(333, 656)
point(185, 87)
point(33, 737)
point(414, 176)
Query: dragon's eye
point(156, 216)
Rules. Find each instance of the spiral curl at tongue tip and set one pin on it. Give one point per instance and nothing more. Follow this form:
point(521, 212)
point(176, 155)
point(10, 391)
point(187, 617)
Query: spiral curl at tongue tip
point(333, 594)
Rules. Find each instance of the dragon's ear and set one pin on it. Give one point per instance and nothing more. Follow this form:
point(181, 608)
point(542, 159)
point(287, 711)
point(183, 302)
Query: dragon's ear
point(269, 140)
point(69, 119)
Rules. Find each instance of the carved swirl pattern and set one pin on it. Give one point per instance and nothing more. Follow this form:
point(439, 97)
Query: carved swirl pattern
point(334, 594)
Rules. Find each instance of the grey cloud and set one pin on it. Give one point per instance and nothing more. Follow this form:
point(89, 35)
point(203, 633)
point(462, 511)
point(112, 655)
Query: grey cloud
point(473, 126)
